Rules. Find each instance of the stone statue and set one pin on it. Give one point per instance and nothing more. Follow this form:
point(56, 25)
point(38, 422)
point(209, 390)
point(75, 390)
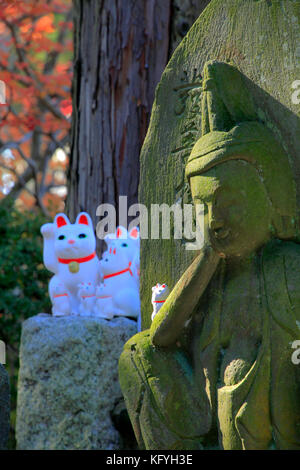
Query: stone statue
point(4, 407)
point(225, 379)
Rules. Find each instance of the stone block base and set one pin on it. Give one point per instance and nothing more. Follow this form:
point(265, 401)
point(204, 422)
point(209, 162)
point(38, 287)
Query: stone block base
point(68, 382)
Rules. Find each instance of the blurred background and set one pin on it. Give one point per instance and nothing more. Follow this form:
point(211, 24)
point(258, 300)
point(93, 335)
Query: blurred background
point(77, 86)
point(36, 51)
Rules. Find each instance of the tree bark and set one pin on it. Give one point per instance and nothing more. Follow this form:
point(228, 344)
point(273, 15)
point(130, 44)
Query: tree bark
point(183, 14)
point(121, 50)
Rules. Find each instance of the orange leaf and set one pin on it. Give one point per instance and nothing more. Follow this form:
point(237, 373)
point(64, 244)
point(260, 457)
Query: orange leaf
point(66, 107)
point(45, 24)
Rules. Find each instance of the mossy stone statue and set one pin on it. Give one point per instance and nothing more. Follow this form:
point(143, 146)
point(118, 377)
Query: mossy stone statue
point(262, 40)
point(4, 407)
point(226, 379)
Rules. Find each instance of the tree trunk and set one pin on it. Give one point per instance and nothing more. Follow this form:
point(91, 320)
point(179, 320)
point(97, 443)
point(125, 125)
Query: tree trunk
point(121, 50)
point(183, 14)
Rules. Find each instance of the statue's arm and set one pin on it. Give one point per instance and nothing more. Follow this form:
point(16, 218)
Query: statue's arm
point(181, 302)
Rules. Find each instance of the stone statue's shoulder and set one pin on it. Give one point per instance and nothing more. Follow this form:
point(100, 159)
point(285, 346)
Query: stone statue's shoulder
point(281, 272)
point(282, 253)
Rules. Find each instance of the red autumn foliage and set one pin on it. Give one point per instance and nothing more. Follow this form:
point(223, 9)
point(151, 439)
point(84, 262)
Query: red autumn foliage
point(36, 70)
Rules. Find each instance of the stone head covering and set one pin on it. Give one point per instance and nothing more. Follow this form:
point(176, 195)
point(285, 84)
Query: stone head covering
point(255, 144)
point(250, 141)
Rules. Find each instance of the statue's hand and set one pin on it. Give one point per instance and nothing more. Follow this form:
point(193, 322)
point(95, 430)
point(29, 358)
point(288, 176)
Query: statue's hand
point(181, 302)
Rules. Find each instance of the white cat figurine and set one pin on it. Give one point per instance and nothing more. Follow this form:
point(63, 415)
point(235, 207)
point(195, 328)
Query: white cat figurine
point(87, 298)
point(69, 252)
point(119, 281)
point(129, 242)
point(103, 305)
point(160, 293)
point(61, 303)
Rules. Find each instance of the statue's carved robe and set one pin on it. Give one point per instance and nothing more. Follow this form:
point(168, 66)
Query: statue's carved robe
point(233, 365)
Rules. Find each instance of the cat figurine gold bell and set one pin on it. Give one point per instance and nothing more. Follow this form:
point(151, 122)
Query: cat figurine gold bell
point(73, 267)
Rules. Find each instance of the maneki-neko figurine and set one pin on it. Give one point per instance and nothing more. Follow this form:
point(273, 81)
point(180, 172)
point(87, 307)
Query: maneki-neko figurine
point(119, 267)
point(82, 284)
point(70, 253)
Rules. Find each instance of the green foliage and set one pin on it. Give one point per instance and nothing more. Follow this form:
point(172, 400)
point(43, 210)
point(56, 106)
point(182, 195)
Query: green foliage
point(23, 282)
point(23, 277)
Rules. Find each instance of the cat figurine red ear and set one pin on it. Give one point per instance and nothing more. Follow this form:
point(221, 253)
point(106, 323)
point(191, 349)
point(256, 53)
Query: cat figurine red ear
point(70, 254)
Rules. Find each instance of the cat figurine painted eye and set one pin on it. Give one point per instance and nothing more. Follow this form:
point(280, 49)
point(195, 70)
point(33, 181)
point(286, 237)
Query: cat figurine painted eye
point(160, 293)
point(70, 254)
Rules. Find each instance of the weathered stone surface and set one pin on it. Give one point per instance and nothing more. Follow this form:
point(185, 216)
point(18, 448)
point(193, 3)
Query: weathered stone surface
point(262, 39)
point(4, 407)
point(215, 369)
point(68, 384)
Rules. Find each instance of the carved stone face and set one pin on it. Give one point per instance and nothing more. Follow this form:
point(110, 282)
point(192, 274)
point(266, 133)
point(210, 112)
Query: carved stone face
point(238, 211)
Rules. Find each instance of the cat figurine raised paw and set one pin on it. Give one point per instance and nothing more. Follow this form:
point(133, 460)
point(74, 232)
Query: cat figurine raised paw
point(160, 293)
point(69, 253)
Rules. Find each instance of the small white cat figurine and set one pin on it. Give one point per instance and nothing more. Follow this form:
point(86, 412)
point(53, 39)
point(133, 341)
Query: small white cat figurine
point(61, 303)
point(86, 296)
point(69, 252)
point(103, 305)
point(119, 281)
point(128, 242)
point(159, 296)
